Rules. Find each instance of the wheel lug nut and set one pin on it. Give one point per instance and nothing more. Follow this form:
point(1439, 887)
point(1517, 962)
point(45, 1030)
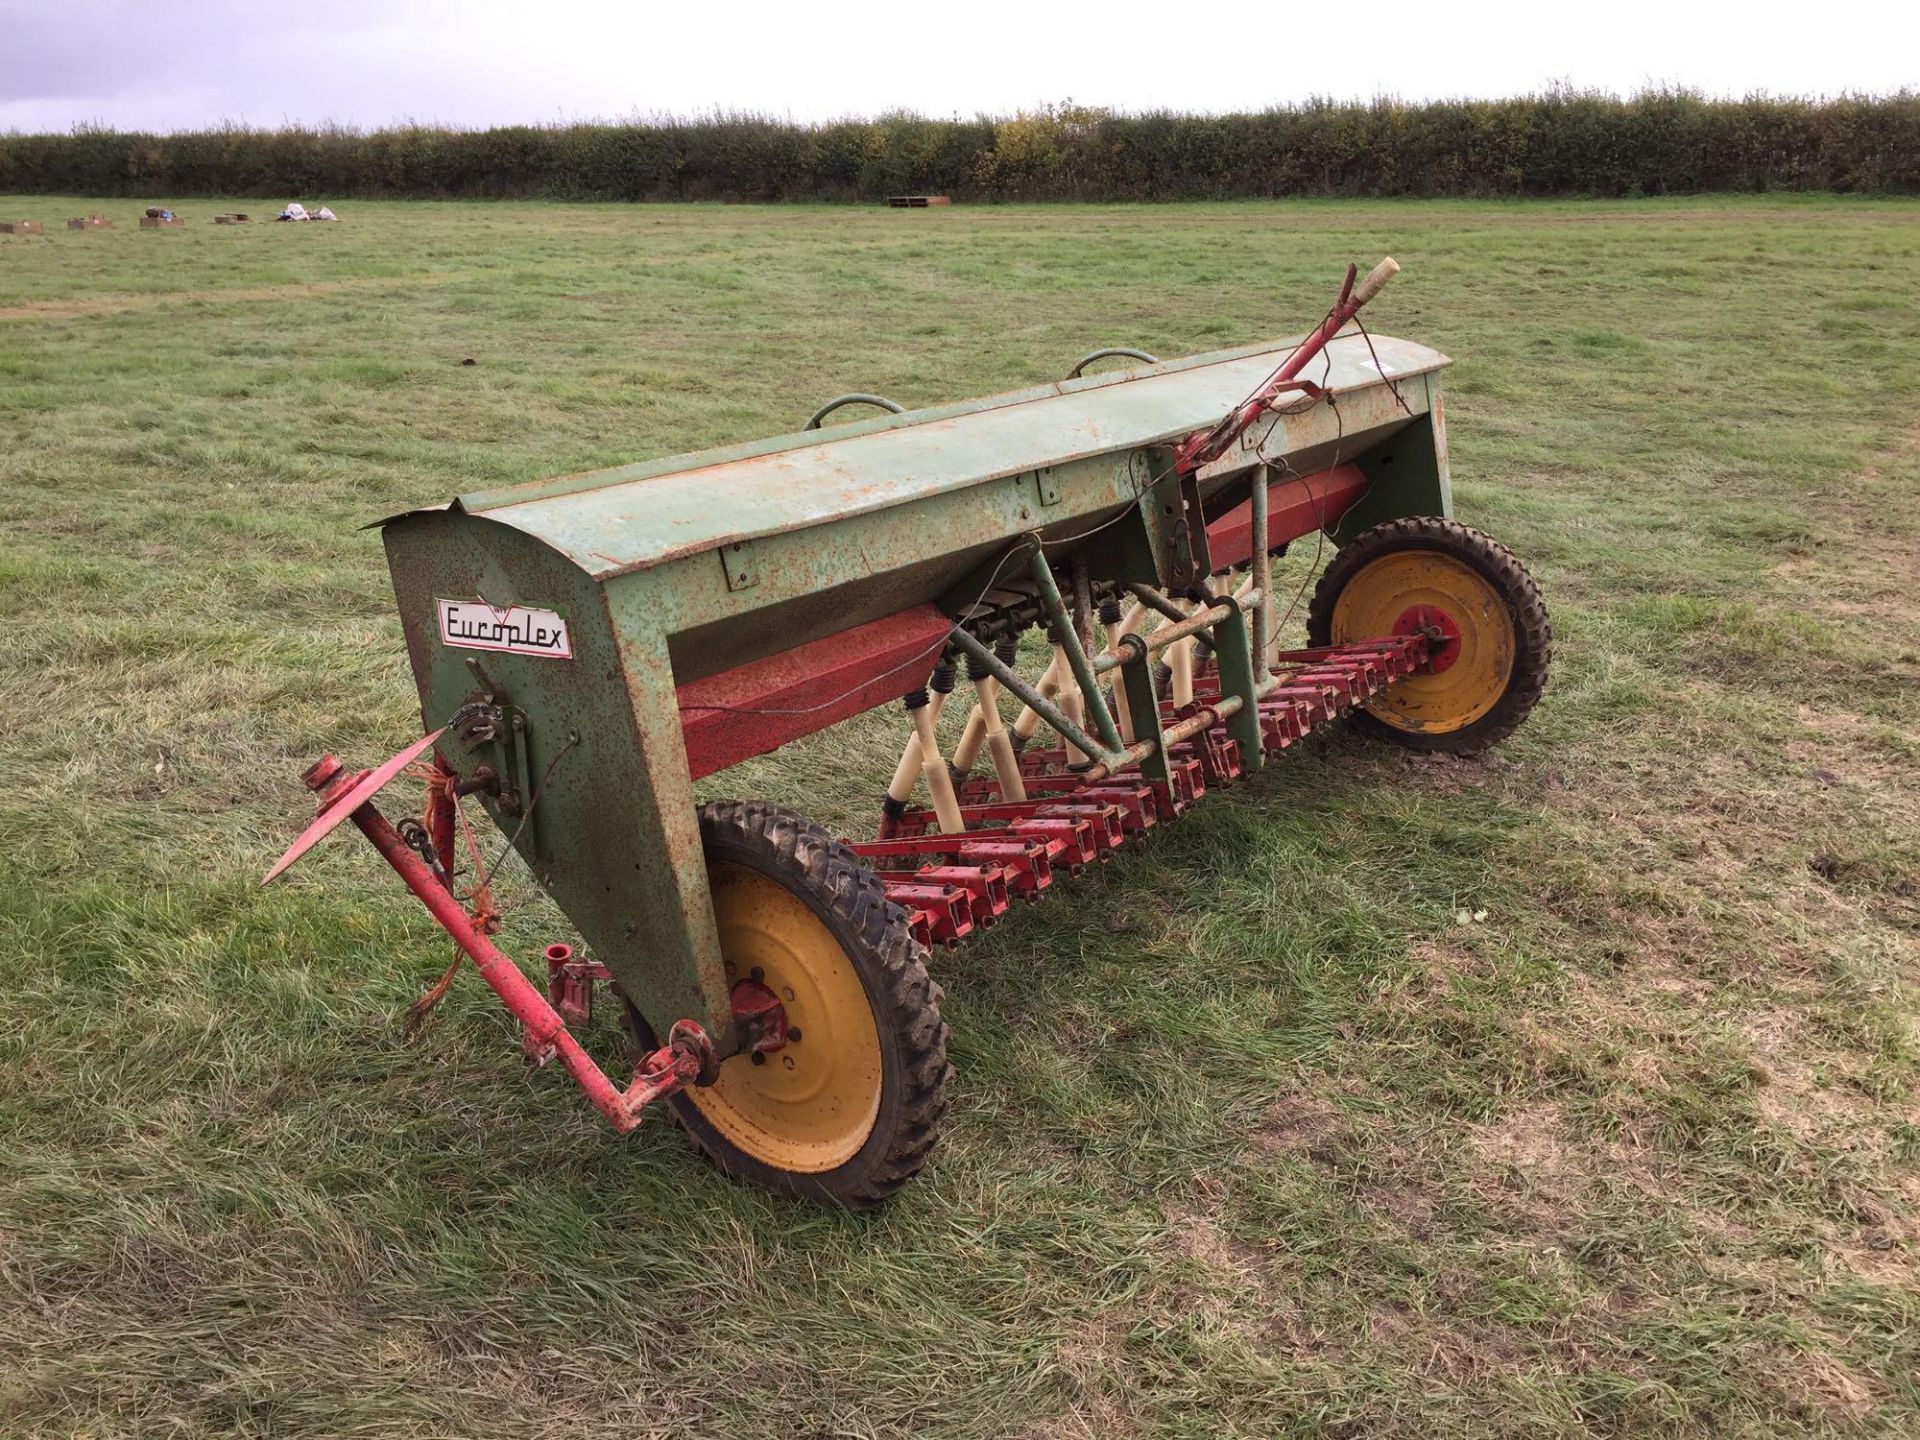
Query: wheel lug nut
point(758, 1058)
point(793, 1034)
point(756, 975)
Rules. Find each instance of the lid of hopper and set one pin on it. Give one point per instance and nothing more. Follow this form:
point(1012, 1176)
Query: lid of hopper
point(636, 516)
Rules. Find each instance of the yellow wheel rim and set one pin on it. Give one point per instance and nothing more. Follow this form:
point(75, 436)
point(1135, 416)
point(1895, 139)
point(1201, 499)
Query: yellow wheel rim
point(1399, 593)
point(810, 1105)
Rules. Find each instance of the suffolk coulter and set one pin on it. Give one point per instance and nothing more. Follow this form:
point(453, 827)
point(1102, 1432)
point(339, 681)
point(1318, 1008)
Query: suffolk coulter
point(587, 647)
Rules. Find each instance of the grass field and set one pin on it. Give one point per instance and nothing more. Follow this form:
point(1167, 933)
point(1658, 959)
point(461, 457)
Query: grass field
point(1570, 1088)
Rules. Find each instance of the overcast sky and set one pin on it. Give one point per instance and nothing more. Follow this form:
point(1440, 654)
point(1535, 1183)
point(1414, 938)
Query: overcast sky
point(178, 64)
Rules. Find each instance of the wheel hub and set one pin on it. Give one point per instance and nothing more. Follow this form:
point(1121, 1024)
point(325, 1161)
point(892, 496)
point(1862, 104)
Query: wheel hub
point(759, 1019)
point(1440, 628)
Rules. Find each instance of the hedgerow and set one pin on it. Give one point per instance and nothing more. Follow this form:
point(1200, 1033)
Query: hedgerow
point(1564, 142)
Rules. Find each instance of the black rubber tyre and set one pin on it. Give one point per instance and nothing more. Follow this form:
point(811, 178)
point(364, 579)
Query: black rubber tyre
point(873, 933)
point(1508, 579)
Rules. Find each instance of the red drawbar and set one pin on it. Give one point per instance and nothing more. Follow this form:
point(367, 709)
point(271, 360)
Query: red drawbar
point(726, 717)
point(1295, 507)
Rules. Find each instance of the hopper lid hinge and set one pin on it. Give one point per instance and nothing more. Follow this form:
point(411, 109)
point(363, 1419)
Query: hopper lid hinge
point(737, 557)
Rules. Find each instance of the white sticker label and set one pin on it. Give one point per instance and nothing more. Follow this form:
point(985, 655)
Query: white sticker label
point(518, 629)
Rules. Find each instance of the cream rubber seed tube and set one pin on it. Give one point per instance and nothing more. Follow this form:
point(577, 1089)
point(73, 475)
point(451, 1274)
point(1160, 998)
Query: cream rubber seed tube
point(933, 770)
point(1007, 651)
point(1179, 660)
point(1028, 720)
point(1127, 624)
point(968, 750)
point(1072, 705)
point(1006, 765)
point(900, 788)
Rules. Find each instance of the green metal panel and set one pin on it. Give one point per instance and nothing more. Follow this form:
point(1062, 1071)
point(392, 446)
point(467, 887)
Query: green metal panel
point(1233, 655)
point(613, 836)
point(638, 517)
point(1407, 472)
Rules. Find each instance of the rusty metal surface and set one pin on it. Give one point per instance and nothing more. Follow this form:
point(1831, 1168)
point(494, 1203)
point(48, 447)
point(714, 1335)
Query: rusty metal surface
point(759, 707)
point(331, 817)
point(636, 517)
point(615, 838)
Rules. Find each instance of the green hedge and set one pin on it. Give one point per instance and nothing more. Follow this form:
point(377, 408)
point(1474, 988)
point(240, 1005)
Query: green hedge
point(1561, 143)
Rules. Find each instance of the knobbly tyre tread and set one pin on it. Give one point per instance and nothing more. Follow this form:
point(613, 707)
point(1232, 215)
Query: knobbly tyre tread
point(1533, 632)
point(877, 938)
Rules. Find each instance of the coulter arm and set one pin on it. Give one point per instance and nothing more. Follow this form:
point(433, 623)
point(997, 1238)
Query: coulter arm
point(422, 855)
point(1182, 697)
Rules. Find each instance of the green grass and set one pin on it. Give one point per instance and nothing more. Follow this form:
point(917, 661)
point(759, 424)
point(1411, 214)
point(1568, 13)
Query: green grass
point(1258, 1131)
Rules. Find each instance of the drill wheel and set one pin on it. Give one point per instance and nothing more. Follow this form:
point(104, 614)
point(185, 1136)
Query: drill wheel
point(1492, 642)
point(848, 1109)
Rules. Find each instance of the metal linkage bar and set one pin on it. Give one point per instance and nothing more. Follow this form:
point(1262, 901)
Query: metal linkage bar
point(1065, 634)
point(1224, 611)
point(977, 651)
point(1209, 445)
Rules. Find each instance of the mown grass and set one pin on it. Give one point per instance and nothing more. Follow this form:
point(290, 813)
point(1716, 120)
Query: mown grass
point(1569, 1089)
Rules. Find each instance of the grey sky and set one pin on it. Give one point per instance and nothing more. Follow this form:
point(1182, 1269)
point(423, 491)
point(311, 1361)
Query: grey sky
point(188, 63)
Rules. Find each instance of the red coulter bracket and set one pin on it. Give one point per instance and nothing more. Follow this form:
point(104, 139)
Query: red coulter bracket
point(964, 880)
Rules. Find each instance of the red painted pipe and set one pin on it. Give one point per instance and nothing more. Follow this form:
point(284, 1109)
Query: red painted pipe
point(1210, 445)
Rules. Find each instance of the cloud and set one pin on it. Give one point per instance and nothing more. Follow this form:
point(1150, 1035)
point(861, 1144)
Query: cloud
point(190, 63)
point(112, 47)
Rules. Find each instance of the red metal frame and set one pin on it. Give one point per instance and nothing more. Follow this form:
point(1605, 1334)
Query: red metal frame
point(362, 787)
point(1209, 445)
point(950, 884)
point(1296, 506)
point(682, 1061)
point(755, 708)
